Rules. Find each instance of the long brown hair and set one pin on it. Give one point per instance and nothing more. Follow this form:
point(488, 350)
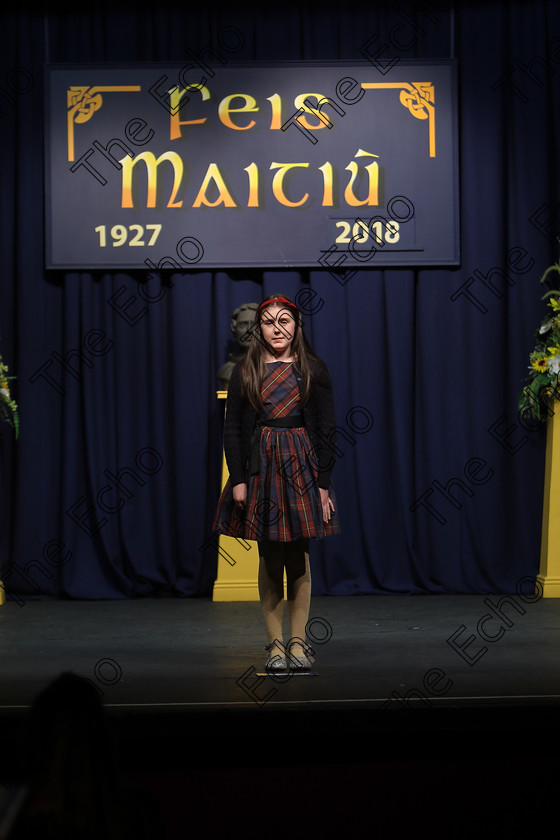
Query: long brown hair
point(253, 367)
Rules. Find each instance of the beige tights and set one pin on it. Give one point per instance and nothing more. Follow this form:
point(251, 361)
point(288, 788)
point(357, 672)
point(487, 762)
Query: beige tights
point(294, 556)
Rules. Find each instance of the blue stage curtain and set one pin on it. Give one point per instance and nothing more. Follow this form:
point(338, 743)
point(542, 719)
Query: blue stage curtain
point(439, 485)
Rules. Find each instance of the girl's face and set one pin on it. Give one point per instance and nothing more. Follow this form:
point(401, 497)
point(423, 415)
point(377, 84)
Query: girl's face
point(278, 327)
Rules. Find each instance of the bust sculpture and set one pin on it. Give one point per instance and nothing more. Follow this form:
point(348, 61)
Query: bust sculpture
point(242, 319)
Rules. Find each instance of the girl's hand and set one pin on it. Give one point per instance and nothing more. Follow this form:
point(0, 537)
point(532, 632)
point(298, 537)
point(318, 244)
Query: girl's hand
point(240, 495)
point(327, 505)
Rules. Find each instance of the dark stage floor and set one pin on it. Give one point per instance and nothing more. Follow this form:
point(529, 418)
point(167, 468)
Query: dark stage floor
point(393, 702)
point(192, 654)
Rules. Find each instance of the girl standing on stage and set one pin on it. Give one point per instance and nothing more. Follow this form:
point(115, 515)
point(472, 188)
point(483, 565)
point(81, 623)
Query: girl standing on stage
point(278, 441)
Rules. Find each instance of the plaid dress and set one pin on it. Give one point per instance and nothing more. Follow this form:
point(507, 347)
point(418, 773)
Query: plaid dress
point(283, 501)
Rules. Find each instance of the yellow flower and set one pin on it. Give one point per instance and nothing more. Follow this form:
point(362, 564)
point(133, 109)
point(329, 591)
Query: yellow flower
point(554, 351)
point(539, 364)
point(554, 304)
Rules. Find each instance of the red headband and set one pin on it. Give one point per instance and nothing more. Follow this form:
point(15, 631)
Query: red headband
point(277, 300)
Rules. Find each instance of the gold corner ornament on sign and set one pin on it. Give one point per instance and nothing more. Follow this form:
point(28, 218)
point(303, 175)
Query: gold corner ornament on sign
point(419, 99)
point(83, 101)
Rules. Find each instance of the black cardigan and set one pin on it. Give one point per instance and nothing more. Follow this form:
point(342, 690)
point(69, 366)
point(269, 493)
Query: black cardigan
point(318, 418)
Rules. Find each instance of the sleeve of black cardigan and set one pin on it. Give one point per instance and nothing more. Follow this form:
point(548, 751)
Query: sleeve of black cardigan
point(326, 422)
point(232, 428)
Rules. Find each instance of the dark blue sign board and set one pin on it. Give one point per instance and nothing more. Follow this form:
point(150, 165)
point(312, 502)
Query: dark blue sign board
point(294, 164)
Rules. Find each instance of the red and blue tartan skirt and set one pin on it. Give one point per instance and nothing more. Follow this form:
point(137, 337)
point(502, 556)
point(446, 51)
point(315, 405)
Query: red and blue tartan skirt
point(283, 500)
